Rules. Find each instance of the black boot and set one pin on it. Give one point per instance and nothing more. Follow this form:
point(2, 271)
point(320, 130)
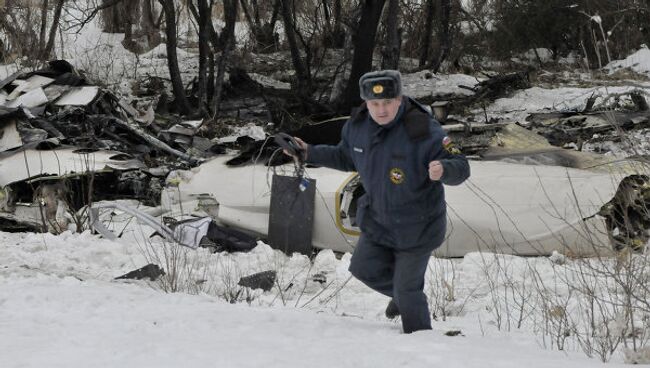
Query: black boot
point(391, 310)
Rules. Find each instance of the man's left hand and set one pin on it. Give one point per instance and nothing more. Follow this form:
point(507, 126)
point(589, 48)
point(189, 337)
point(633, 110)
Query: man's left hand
point(435, 170)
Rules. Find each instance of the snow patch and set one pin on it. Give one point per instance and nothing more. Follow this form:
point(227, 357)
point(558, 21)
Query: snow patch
point(638, 61)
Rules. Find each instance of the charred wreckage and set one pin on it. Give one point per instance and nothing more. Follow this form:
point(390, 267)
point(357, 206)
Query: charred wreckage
point(65, 143)
point(69, 149)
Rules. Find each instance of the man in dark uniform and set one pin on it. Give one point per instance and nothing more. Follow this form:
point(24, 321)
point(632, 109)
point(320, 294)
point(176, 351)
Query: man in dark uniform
point(403, 158)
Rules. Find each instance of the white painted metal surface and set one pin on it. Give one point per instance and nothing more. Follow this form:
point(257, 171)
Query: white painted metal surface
point(26, 164)
point(78, 96)
point(503, 207)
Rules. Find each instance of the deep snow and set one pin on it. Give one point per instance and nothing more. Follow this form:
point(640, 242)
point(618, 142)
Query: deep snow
point(60, 308)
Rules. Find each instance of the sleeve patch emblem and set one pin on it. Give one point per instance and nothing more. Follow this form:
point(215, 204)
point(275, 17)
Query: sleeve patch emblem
point(449, 146)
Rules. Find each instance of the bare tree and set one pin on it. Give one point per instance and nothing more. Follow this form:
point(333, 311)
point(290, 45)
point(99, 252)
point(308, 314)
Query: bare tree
point(444, 34)
point(148, 21)
point(114, 15)
point(172, 58)
point(55, 24)
point(136, 19)
point(364, 46)
point(228, 40)
point(335, 36)
point(338, 33)
point(429, 11)
point(207, 36)
point(205, 11)
point(150, 24)
point(262, 31)
point(391, 50)
point(303, 76)
point(41, 38)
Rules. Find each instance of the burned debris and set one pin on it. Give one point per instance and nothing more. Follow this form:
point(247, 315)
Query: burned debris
point(627, 214)
point(65, 143)
point(205, 233)
point(614, 114)
point(495, 86)
point(150, 271)
point(481, 95)
point(261, 280)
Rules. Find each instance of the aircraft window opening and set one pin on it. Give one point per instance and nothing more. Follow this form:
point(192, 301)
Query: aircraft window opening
point(349, 197)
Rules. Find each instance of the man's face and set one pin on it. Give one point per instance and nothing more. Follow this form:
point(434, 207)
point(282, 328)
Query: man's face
point(383, 111)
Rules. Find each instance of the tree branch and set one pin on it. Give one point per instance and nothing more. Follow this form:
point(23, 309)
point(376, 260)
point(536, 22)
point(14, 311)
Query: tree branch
point(92, 15)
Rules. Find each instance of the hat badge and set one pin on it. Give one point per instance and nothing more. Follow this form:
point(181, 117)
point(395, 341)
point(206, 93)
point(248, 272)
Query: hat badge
point(377, 89)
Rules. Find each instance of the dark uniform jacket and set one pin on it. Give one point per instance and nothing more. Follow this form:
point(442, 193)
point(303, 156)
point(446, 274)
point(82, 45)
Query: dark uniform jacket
point(402, 207)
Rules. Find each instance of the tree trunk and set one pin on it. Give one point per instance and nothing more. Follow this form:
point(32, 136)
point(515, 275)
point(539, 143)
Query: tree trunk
point(211, 77)
point(204, 49)
point(428, 28)
point(248, 17)
point(539, 59)
point(148, 19)
point(172, 59)
point(128, 19)
point(338, 35)
point(444, 35)
point(263, 32)
point(228, 37)
point(364, 45)
point(55, 24)
point(326, 11)
point(230, 18)
point(148, 23)
point(338, 87)
point(585, 60)
point(41, 38)
point(213, 34)
point(303, 78)
point(118, 14)
point(390, 59)
point(596, 48)
point(256, 12)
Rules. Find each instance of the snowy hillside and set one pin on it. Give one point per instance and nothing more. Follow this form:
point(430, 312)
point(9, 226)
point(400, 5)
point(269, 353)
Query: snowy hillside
point(60, 308)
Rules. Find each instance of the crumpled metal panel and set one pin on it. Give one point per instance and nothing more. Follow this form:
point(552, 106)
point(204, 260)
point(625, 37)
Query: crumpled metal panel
point(26, 164)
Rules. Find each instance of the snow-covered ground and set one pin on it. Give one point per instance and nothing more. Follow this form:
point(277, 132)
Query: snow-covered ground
point(638, 61)
point(64, 322)
point(60, 307)
point(426, 84)
point(536, 99)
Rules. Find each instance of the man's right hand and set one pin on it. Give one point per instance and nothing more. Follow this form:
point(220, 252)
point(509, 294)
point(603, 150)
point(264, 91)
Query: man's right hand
point(303, 149)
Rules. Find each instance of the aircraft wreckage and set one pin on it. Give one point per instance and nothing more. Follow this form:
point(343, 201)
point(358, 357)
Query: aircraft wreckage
point(525, 197)
point(65, 144)
point(504, 207)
